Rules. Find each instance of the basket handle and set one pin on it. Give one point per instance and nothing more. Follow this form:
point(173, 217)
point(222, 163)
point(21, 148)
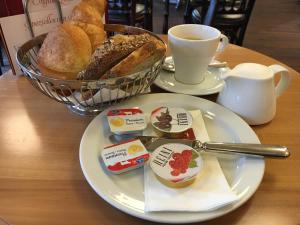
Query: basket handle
point(27, 14)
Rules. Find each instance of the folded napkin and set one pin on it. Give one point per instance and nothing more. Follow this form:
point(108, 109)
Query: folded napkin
point(105, 95)
point(209, 192)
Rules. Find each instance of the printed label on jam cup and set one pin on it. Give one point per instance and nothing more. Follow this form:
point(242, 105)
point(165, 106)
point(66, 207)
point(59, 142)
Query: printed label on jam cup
point(171, 120)
point(126, 120)
point(176, 162)
point(125, 156)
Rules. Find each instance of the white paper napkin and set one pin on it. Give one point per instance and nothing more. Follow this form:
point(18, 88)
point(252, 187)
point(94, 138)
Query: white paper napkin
point(209, 192)
point(104, 95)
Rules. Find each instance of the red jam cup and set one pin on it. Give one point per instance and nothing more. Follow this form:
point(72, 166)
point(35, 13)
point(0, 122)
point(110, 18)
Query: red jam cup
point(176, 165)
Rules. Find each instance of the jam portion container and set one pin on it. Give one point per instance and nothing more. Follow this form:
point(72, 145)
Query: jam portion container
point(168, 121)
point(176, 165)
point(126, 156)
point(124, 121)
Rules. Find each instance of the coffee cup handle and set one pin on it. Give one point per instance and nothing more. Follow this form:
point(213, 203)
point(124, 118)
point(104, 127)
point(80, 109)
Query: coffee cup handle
point(284, 81)
point(223, 43)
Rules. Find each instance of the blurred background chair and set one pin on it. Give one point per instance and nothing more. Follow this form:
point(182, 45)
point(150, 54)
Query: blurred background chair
point(230, 16)
point(189, 5)
point(131, 12)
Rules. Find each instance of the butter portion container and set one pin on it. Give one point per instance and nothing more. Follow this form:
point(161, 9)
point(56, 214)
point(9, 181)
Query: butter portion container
point(176, 165)
point(168, 121)
point(124, 121)
point(126, 156)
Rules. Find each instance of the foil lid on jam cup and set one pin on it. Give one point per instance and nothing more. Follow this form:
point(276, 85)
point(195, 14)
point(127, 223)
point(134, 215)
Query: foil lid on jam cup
point(122, 121)
point(171, 121)
point(126, 156)
point(176, 163)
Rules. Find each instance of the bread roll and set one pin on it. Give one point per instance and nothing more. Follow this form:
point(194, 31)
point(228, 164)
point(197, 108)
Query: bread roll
point(100, 5)
point(96, 34)
point(55, 74)
point(65, 51)
point(85, 13)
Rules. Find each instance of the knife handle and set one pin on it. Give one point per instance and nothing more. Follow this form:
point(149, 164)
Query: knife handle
point(253, 149)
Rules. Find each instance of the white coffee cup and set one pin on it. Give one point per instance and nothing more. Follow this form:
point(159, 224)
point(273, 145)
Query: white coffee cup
point(193, 47)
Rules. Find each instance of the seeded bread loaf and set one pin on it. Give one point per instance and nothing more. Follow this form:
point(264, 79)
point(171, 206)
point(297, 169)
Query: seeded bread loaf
point(111, 53)
point(138, 60)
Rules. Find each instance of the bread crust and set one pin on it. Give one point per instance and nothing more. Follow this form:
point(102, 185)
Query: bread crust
point(55, 74)
point(66, 49)
point(138, 60)
point(111, 53)
point(85, 13)
point(96, 34)
point(100, 5)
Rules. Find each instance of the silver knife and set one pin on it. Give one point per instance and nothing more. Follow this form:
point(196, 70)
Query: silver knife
point(151, 143)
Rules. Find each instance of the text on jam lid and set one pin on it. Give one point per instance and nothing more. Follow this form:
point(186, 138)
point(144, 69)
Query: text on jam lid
point(176, 162)
point(126, 120)
point(171, 120)
point(126, 156)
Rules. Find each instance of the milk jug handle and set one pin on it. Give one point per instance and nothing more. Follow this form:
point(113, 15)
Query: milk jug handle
point(284, 81)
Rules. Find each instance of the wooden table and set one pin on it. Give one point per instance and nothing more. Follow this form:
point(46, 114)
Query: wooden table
point(41, 181)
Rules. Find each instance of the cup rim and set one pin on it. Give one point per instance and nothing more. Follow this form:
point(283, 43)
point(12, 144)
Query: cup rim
point(195, 25)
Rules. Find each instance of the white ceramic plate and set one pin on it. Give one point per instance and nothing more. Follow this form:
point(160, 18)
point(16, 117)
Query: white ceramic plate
point(211, 84)
point(126, 191)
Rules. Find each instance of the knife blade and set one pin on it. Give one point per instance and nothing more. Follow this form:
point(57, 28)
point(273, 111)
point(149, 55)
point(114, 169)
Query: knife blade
point(151, 143)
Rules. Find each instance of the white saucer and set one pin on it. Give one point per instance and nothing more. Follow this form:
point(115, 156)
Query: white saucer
point(211, 84)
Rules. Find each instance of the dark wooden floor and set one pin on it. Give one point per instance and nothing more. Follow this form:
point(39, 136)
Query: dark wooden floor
point(274, 28)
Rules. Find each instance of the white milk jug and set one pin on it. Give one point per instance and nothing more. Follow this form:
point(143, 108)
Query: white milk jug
point(250, 91)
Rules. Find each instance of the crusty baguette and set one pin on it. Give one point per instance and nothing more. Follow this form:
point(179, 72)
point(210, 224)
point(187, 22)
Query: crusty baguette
point(111, 53)
point(138, 60)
